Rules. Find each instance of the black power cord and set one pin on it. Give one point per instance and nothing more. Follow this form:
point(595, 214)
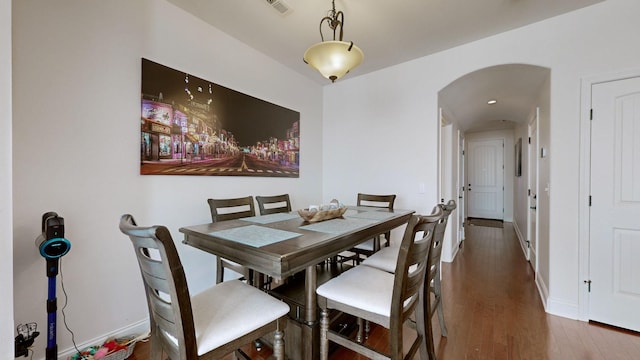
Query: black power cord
point(64, 316)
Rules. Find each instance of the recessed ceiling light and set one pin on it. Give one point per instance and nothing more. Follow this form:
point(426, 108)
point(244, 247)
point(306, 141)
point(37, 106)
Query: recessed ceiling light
point(492, 101)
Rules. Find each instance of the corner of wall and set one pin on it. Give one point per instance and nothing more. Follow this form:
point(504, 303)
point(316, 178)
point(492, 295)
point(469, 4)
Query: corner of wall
point(562, 308)
point(6, 185)
point(543, 291)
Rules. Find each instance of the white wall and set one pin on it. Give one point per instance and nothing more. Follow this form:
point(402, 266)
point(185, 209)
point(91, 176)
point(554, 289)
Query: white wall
point(76, 135)
point(6, 240)
point(382, 126)
point(546, 275)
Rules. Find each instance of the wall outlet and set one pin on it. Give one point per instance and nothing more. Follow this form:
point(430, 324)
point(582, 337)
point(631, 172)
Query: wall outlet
point(26, 335)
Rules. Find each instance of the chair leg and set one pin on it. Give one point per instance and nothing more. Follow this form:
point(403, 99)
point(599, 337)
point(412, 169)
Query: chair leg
point(428, 329)
point(424, 312)
point(219, 271)
point(438, 292)
point(155, 350)
point(421, 322)
point(278, 345)
point(324, 340)
point(359, 336)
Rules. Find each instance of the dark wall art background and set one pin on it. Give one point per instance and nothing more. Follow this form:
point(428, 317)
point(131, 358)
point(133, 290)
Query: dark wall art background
point(191, 126)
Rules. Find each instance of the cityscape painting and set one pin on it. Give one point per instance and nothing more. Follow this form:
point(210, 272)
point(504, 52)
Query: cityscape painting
point(191, 126)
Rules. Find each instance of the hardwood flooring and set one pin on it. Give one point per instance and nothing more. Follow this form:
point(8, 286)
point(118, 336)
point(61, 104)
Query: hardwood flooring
point(493, 311)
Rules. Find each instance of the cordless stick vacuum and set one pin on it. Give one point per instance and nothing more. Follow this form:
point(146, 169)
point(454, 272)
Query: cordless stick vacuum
point(52, 246)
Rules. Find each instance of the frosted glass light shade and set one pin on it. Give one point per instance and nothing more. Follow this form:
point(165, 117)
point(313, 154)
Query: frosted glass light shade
point(333, 59)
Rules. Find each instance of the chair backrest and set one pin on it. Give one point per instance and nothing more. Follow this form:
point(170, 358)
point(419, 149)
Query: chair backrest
point(170, 313)
point(229, 209)
point(438, 238)
point(410, 271)
point(381, 201)
point(273, 204)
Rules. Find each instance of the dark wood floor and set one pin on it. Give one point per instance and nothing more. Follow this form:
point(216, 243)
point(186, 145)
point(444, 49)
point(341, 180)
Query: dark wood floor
point(493, 311)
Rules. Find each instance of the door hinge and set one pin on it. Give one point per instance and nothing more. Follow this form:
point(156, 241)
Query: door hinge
point(528, 192)
point(528, 244)
point(529, 140)
point(588, 282)
point(462, 152)
point(589, 200)
point(591, 114)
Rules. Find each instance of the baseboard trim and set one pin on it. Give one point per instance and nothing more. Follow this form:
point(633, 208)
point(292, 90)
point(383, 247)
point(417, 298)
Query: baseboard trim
point(563, 308)
point(135, 329)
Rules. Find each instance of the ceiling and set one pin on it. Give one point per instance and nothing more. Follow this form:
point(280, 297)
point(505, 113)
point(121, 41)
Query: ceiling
point(515, 87)
point(388, 32)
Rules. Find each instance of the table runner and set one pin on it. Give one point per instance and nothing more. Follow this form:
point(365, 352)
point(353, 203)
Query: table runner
point(338, 226)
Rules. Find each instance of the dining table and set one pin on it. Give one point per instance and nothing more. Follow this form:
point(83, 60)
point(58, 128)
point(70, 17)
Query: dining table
point(282, 245)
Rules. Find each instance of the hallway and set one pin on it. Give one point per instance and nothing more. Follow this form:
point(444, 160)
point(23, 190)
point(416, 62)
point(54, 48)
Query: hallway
point(493, 309)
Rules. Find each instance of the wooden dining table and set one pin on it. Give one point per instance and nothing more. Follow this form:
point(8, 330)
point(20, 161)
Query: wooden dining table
point(283, 244)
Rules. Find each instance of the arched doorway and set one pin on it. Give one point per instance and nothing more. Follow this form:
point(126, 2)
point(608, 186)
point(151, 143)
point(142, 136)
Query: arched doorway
point(493, 105)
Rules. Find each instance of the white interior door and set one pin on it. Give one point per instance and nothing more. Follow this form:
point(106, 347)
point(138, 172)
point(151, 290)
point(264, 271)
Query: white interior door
point(614, 249)
point(532, 228)
point(486, 179)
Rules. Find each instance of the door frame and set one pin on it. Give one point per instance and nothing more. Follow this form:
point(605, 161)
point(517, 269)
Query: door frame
point(585, 179)
point(461, 187)
point(533, 186)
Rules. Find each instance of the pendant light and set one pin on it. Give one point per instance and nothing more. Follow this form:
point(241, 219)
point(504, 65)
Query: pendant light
point(333, 59)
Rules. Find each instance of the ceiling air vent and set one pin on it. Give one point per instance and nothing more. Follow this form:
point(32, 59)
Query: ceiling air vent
point(282, 7)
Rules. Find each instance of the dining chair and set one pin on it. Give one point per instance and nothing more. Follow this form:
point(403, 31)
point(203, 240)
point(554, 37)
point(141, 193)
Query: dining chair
point(273, 204)
point(380, 297)
point(387, 258)
point(230, 209)
point(209, 325)
point(371, 246)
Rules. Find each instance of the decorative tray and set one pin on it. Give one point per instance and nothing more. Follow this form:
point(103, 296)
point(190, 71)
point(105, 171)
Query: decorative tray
point(321, 215)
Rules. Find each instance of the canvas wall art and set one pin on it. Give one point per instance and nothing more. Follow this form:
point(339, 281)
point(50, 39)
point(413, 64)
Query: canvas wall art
point(192, 126)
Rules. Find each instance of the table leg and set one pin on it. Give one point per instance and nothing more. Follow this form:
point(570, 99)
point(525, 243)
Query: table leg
point(310, 343)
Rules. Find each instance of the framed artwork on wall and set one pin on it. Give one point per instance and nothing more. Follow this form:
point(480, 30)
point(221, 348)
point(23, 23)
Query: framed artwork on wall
point(518, 157)
point(191, 126)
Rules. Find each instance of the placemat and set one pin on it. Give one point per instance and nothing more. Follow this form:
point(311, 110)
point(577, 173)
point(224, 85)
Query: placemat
point(338, 226)
point(255, 235)
point(372, 214)
point(270, 218)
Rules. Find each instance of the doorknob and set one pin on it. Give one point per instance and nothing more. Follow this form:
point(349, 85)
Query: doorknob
point(532, 207)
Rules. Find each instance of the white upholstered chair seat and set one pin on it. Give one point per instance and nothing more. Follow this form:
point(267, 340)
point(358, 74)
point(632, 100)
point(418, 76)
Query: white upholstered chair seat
point(385, 259)
point(229, 310)
point(367, 245)
point(361, 287)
